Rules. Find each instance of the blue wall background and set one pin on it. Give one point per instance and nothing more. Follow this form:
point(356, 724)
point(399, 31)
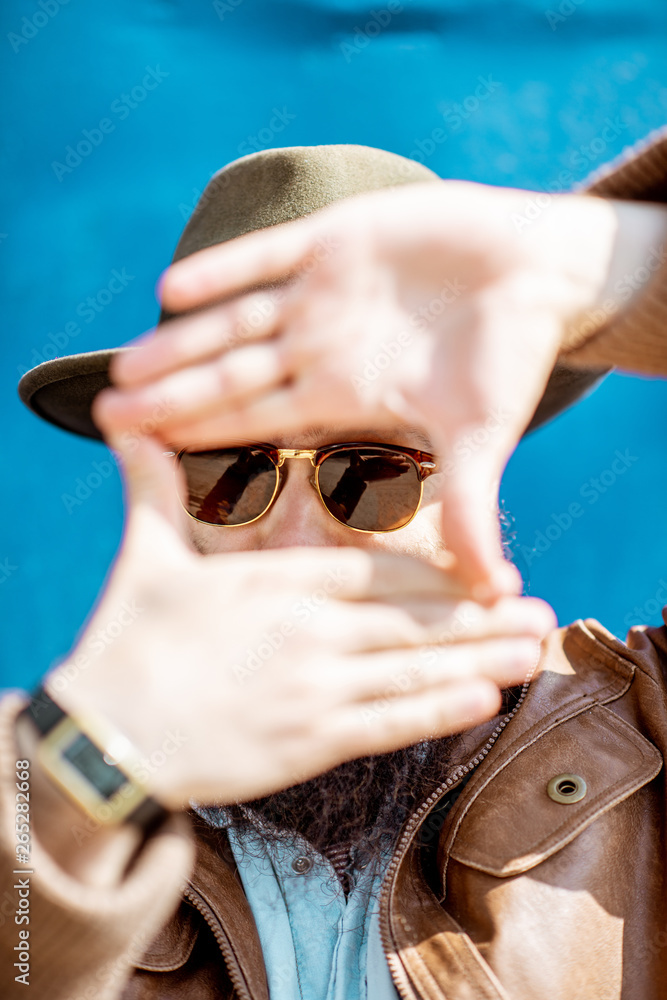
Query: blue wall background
point(559, 71)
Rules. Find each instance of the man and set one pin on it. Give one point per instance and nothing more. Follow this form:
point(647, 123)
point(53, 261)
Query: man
point(496, 858)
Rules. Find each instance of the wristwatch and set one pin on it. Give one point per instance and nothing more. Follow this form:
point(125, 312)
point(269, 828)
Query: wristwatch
point(92, 763)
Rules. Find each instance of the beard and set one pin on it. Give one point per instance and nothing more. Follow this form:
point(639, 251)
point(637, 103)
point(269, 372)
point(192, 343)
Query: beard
point(360, 805)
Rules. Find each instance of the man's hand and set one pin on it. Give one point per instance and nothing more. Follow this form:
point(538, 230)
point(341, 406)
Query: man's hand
point(236, 675)
point(424, 302)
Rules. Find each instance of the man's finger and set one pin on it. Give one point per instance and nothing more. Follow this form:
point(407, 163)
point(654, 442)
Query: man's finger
point(446, 620)
point(195, 338)
point(398, 673)
point(195, 393)
point(229, 268)
point(256, 417)
point(472, 532)
point(418, 623)
point(156, 523)
point(400, 722)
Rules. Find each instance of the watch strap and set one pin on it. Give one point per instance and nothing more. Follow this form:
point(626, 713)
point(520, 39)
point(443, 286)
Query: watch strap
point(89, 760)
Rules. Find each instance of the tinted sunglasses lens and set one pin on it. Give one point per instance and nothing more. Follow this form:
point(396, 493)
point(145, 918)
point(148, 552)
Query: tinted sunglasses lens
point(370, 489)
point(229, 485)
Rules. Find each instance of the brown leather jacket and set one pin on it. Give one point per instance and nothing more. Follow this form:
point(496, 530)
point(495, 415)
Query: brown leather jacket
point(533, 898)
point(514, 896)
point(528, 897)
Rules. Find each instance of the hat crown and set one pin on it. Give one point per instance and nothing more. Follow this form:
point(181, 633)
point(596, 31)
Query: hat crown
point(279, 185)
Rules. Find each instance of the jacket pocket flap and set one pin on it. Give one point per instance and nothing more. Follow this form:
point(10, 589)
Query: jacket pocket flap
point(173, 946)
point(513, 824)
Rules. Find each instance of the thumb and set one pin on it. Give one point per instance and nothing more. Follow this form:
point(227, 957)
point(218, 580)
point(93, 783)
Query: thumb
point(471, 530)
point(156, 523)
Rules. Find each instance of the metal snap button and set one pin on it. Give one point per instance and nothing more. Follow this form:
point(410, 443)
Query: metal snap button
point(302, 865)
point(566, 788)
point(361, 860)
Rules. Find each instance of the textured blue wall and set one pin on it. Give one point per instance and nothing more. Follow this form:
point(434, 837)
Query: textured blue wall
point(557, 73)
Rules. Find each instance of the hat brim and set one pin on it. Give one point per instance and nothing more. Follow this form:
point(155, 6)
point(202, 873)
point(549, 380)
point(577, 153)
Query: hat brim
point(62, 391)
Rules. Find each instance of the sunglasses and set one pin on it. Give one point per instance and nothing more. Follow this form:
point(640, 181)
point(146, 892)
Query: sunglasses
point(367, 487)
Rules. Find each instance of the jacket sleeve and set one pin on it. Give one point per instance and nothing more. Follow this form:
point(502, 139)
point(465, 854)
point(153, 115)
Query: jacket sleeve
point(636, 338)
point(83, 941)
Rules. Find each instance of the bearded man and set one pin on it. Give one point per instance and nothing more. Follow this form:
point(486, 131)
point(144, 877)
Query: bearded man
point(316, 644)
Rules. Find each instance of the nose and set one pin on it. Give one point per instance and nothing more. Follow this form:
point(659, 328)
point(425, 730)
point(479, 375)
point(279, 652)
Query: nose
point(298, 516)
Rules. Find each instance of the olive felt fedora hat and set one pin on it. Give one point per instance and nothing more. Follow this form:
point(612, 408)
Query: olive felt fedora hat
point(255, 192)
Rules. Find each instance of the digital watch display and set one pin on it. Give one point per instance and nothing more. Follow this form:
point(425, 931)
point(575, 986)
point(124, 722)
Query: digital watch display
point(92, 764)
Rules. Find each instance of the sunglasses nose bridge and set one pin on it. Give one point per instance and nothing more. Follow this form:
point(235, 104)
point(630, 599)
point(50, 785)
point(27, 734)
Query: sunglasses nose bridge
point(308, 453)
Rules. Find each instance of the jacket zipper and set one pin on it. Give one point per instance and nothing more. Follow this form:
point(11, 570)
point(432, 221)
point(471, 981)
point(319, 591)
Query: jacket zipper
point(396, 967)
point(207, 912)
point(398, 974)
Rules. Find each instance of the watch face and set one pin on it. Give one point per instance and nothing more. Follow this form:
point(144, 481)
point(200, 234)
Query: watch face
point(89, 760)
point(85, 768)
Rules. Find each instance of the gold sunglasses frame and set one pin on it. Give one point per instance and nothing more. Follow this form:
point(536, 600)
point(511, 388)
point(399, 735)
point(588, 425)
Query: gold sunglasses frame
point(424, 463)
